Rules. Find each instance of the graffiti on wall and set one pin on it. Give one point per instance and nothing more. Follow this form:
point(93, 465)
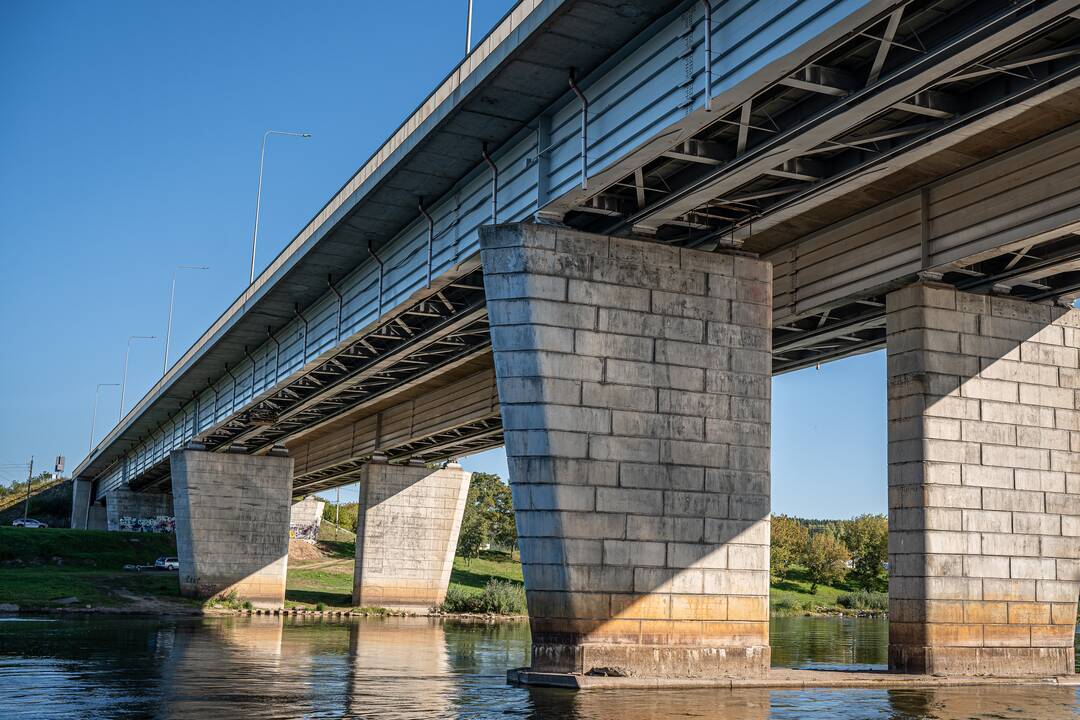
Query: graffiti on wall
point(159, 524)
point(304, 531)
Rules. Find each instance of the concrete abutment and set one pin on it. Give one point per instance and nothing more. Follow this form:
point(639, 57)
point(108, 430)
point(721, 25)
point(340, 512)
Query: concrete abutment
point(634, 381)
point(232, 524)
point(984, 483)
point(406, 534)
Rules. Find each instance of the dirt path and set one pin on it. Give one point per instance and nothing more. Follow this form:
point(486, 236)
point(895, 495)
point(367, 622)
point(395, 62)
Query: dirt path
point(150, 605)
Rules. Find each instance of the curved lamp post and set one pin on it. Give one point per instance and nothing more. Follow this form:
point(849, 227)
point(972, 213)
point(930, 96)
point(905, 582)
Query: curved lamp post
point(258, 197)
point(127, 354)
point(93, 413)
point(172, 300)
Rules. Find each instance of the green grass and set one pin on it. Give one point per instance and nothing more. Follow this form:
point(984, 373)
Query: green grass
point(471, 575)
point(310, 587)
point(90, 567)
point(42, 587)
point(83, 548)
point(792, 594)
point(331, 584)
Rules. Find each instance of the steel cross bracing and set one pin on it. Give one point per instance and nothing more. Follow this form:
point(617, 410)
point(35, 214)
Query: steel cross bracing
point(452, 442)
point(888, 89)
point(927, 68)
point(1046, 271)
point(442, 329)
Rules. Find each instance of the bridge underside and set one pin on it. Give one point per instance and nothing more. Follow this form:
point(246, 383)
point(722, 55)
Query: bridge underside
point(420, 387)
point(912, 186)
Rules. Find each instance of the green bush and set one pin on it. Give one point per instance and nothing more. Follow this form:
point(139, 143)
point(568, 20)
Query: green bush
point(785, 603)
point(499, 597)
point(864, 600)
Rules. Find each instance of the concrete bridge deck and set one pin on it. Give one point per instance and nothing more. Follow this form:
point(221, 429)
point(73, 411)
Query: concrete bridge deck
point(711, 193)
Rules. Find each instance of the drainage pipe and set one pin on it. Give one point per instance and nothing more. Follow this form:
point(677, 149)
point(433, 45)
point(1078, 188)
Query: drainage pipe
point(430, 236)
point(379, 262)
point(708, 54)
point(584, 130)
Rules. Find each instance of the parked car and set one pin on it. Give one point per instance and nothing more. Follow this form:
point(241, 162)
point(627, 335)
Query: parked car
point(28, 523)
point(167, 563)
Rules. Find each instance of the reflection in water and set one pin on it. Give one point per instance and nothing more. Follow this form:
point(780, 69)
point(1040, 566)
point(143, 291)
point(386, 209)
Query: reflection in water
point(861, 643)
point(112, 667)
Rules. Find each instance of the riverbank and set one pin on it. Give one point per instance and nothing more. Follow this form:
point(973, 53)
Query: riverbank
point(83, 571)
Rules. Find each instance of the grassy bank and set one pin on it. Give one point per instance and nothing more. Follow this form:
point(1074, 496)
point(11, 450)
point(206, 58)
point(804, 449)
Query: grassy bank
point(45, 569)
point(791, 595)
point(52, 568)
point(329, 581)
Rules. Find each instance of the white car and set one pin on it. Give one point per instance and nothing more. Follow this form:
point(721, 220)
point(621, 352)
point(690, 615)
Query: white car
point(167, 563)
point(28, 523)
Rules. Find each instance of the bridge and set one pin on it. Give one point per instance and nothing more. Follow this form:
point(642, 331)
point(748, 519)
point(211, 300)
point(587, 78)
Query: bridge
point(594, 243)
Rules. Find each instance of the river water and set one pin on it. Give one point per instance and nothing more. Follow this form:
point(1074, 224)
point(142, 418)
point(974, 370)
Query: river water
point(239, 667)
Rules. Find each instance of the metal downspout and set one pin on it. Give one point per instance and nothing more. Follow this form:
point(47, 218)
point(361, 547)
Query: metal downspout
point(584, 130)
point(371, 251)
point(430, 236)
point(494, 184)
point(340, 302)
point(277, 353)
point(708, 54)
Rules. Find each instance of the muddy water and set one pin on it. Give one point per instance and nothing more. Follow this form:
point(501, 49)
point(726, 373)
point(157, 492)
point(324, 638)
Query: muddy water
point(114, 667)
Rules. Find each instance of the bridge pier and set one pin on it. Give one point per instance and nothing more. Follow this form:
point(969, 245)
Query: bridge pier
point(84, 514)
point(984, 483)
point(123, 503)
point(406, 534)
point(634, 383)
point(232, 524)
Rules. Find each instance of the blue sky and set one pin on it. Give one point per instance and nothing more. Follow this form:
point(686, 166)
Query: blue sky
point(129, 140)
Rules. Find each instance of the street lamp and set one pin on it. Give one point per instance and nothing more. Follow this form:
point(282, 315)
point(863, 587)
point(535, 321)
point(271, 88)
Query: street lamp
point(127, 353)
point(258, 197)
point(93, 413)
point(468, 29)
point(172, 299)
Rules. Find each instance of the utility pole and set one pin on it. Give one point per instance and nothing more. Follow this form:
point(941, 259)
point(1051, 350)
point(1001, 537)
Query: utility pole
point(29, 478)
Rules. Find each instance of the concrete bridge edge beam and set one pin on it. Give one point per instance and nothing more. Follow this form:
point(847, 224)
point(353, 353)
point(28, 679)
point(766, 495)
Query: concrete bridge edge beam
point(634, 381)
point(984, 483)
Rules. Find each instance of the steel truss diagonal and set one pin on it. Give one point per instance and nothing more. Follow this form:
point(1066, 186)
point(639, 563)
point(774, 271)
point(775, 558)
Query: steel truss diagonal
point(925, 69)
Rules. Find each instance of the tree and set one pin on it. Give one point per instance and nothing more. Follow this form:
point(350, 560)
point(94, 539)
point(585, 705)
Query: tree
point(489, 516)
point(348, 515)
point(789, 538)
point(826, 560)
point(867, 538)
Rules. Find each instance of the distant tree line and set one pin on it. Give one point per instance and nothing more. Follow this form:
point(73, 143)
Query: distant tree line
point(17, 489)
point(832, 551)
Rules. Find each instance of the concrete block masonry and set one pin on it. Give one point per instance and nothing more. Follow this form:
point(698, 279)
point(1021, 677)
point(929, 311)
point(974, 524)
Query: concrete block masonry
point(122, 503)
point(232, 524)
point(984, 483)
point(634, 383)
point(406, 534)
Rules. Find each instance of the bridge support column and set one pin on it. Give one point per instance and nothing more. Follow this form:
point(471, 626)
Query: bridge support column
point(406, 534)
point(634, 381)
point(232, 524)
point(123, 503)
point(84, 514)
point(984, 483)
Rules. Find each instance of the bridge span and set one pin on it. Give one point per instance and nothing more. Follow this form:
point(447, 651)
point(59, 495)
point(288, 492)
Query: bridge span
point(594, 243)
